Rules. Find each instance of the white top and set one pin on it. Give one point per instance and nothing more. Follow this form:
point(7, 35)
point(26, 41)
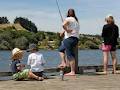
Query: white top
point(36, 62)
point(73, 25)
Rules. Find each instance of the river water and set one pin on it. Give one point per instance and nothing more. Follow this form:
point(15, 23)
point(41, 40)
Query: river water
point(86, 57)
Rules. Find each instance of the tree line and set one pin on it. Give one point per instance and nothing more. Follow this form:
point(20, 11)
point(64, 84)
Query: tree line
point(11, 38)
point(4, 20)
point(24, 22)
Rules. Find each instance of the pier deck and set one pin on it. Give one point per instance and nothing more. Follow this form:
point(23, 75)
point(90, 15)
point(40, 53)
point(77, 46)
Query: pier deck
point(80, 82)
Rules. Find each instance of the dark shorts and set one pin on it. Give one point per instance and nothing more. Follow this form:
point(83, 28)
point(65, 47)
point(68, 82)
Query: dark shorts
point(113, 48)
point(68, 46)
point(62, 48)
point(40, 74)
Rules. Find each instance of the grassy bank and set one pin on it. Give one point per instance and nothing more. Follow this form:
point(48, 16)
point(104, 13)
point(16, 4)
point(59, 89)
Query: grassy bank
point(10, 38)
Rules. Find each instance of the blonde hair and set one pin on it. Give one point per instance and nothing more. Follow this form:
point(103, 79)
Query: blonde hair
point(110, 19)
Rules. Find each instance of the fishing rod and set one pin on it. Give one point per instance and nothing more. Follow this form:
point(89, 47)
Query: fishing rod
point(61, 68)
point(57, 3)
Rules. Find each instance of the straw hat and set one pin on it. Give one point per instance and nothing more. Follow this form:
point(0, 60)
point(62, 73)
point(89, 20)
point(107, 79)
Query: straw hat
point(17, 53)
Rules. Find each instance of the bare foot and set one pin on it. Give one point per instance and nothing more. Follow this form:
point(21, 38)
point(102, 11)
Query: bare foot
point(70, 74)
point(40, 78)
point(101, 73)
point(62, 65)
point(116, 72)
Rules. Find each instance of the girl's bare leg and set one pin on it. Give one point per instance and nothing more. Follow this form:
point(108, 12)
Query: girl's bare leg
point(72, 66)
point(105, 61)
point(114, 61)
point(63, 61)
point(33, 76)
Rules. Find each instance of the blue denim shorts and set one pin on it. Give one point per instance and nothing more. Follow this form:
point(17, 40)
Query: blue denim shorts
point(62, 48)
point(68, 46)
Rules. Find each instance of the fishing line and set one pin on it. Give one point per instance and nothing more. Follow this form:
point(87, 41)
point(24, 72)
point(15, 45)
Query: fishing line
point(57, 3)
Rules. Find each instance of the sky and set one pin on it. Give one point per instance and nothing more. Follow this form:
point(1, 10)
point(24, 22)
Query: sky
point(44, 13)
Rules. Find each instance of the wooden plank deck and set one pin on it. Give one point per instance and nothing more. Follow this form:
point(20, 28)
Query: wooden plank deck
point(80, 82)
point(81, 69)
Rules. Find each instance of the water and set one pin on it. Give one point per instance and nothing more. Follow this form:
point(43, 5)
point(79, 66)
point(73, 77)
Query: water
point(86, 57)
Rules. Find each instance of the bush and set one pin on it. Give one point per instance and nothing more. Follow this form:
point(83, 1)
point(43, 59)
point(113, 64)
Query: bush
point(27, 24)
point(91, 45)
point(4, 20)
point(4, 45)
point(21, 42)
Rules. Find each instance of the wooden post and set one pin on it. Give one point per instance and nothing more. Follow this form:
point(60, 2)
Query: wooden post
point(76, 59)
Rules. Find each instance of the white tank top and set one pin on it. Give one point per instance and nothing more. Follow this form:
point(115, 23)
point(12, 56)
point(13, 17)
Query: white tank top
point(73, 25)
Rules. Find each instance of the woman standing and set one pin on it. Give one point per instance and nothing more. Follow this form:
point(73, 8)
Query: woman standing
point(110, 33)
point(71, 32)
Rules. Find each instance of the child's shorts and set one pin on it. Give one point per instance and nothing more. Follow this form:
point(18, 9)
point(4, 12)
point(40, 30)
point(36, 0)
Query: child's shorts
point(40, 74)
point(21, 75)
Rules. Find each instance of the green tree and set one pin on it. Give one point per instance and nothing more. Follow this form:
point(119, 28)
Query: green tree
point(27, 24)
point(91, 45)
point(4, 20)
point(4, 45)
point(21, 42)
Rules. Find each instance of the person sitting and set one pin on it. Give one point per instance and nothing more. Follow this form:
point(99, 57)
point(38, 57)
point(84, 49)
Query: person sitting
point(17, 68)
point(36, 61)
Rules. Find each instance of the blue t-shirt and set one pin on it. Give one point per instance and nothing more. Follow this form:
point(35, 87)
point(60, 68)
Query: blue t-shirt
point(14, 65)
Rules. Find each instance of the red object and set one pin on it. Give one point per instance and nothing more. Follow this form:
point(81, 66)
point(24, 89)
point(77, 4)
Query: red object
point(105, 47)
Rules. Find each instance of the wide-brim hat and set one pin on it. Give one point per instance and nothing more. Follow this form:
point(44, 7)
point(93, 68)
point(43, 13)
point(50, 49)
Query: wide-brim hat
point(32, 47)
point(17, 53)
